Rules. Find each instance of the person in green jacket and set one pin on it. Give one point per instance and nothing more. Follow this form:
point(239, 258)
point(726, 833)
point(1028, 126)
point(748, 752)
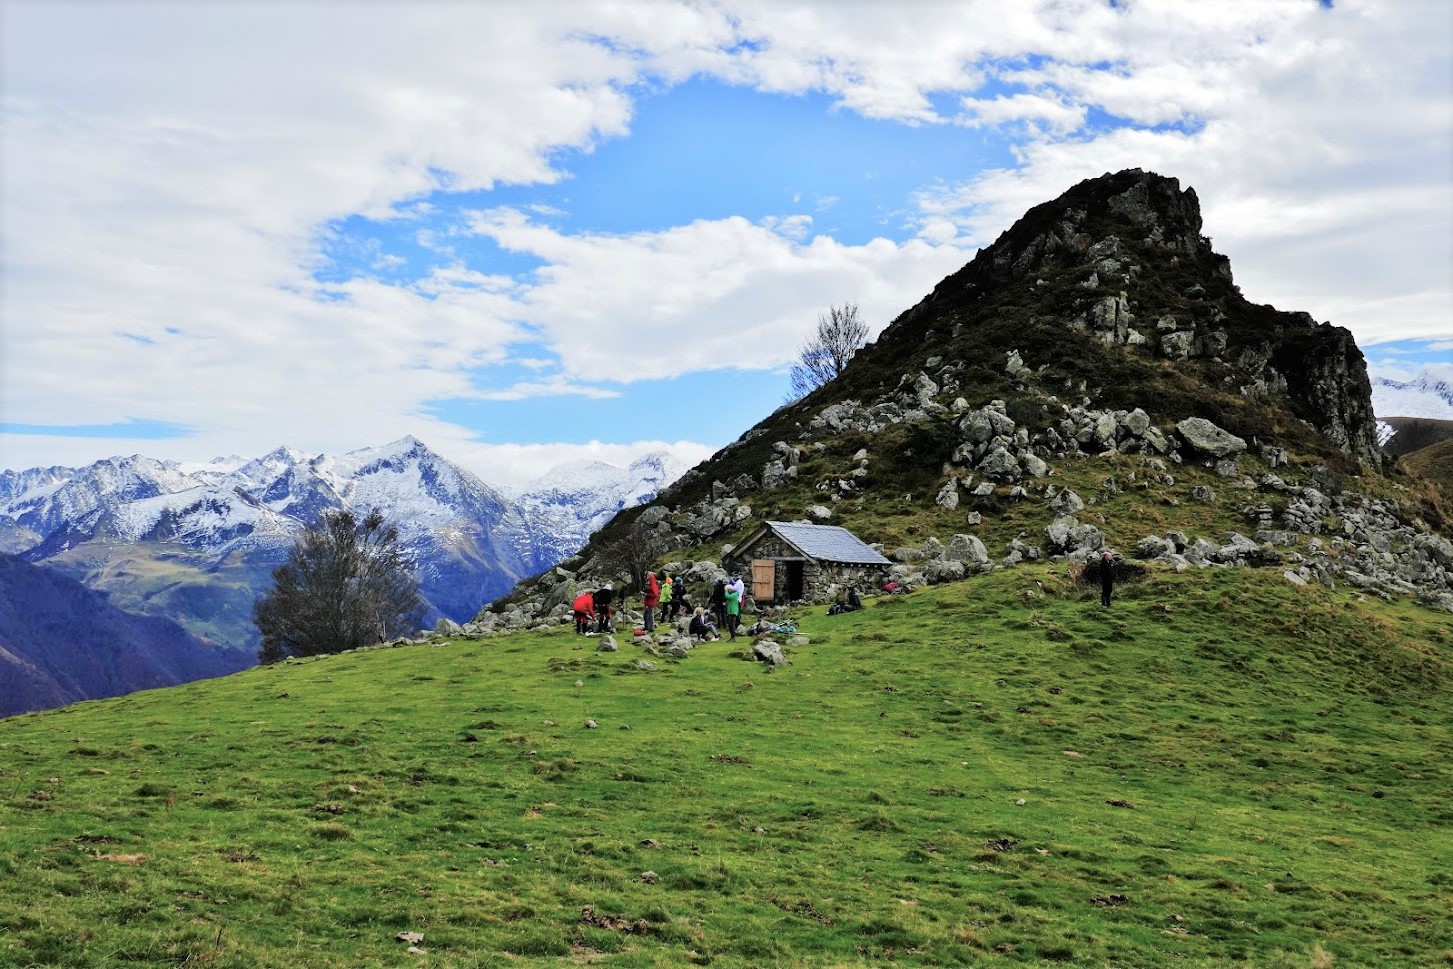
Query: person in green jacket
point(666, 593)
point(733, 609)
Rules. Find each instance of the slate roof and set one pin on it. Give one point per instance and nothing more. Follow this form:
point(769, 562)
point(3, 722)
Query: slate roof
point(828, 543)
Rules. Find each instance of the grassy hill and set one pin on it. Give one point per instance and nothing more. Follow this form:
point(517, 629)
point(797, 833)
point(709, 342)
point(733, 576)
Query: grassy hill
point(1435, 463)
point(1222, 769)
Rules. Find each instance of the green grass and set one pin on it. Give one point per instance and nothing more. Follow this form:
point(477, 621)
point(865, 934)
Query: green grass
point(1221, 770)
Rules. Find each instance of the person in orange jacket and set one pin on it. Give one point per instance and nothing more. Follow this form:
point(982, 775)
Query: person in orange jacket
point(584, 607)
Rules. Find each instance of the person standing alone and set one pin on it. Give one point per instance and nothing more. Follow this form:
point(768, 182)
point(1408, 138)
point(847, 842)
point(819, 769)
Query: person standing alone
point(1107, 578)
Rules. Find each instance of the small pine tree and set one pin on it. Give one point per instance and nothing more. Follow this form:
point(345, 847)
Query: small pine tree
point(345, 584)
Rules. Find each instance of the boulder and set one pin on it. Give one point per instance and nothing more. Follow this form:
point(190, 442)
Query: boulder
point(769, 652)
point(943, 570)
point(1067, 503)
point(606, 644)
point(967, 549)
point(999, 463)
point(819, 512)
point(1207, 438)
point(948, 495)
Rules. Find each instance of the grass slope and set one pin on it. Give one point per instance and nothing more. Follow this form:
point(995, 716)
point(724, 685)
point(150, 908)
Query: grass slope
point(1435, 463)
point(1222, 769)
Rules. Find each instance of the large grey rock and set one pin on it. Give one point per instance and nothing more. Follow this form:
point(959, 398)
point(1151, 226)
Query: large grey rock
point(1067, 503)
point(967, 549)
point(1137, 422)
point(1207, 438)
point(769, 652)
point(943, 570)
point(819, 512)
point(999, 463)
point(948, 495)
point(1034, 466)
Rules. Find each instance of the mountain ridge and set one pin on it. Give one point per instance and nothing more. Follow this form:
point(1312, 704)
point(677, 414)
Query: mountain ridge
point(197, 541)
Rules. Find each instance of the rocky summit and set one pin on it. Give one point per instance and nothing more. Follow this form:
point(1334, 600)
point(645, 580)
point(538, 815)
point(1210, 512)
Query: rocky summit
point(1093, 380)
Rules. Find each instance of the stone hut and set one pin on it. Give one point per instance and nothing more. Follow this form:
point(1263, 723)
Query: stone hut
point(798, 561)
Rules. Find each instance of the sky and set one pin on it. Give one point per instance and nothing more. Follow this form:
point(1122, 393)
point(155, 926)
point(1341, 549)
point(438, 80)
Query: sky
point(529, 233)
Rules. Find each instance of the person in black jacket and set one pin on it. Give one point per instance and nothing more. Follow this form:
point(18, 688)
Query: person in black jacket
point(603, 598)
point(717, 601)
point(1107, 577)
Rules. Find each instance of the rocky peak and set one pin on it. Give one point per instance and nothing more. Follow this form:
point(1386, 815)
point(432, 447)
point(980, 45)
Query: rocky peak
point(1114, 275)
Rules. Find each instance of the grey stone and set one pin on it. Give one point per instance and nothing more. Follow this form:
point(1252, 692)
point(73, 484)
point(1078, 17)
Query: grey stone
point(999, 463)
point(1067, 503)
point(967, 549)
point(948, 495)
point(769, 652)
point(1137, 422)
point(819, 512)
point(1207, 438)
point(1203, 494)
point(1034, 466)
point(943, 570)
point(606, 644)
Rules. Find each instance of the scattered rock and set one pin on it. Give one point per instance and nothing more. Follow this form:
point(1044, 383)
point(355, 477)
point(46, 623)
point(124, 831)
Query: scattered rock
point(1207, 438)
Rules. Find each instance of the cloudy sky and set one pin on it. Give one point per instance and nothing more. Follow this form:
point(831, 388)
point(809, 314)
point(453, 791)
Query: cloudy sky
point(539, 231)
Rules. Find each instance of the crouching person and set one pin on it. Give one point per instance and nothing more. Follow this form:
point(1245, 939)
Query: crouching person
point(584, 607)
point(702, 627)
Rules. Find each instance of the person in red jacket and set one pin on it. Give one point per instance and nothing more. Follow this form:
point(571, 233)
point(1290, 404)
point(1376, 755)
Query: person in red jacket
point(652, 595)
point(584, 607)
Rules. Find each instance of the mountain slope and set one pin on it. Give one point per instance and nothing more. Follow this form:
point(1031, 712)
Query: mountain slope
point(61, 642)
point(1218, 771)
point(1428, 395)
point(1092, 380)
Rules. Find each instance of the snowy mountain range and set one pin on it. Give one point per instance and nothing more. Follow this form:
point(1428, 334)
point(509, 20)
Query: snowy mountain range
point(197, 542)
point(1428, 395)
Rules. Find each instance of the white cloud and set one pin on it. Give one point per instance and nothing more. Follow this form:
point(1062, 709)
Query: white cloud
point(709, 295)
point(171, 172)
point(1322, 163)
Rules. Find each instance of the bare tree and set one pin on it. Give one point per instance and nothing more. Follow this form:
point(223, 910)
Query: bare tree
point(345, 584)
point(840, 333)
point(634, 553)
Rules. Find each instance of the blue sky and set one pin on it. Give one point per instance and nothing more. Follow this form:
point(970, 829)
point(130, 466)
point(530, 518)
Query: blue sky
point(529, 234)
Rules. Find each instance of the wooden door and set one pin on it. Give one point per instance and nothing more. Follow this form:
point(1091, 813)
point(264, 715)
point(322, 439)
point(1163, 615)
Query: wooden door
point(764, 576)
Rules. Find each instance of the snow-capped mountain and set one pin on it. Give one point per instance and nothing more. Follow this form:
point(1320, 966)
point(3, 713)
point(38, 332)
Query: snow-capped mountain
point(556, 513)
point(197, 542)
point(1428, 395)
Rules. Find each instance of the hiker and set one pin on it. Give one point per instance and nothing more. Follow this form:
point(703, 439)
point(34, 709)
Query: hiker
point(668, 592)
point(847, 601)
point(702, 627)
point(603, 598)
point(717, 602)
point(584, 607)
point(680, 598)
point(1107, 578)
point(733, 609)
point(741, 587)
point(649, 598)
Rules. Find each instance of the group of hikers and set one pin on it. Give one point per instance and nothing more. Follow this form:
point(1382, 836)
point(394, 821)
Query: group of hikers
point(667, 597)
